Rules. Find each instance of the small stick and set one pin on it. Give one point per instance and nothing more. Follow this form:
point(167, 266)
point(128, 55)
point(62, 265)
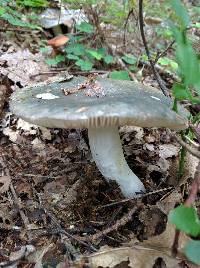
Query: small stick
point(115, 226)
point(189, 148)
point(16, 200)
point(136, 197)
point(156, 74)
point(21, 212)
point(164, 52)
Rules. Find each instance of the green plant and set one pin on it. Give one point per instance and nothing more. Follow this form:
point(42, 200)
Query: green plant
point(83, 55)
point(10, 13)
point(185, 218)
point(120, 75)
point(189, 68)
point(32, 3)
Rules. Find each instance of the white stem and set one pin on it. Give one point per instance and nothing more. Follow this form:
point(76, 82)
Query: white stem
point(107, 152)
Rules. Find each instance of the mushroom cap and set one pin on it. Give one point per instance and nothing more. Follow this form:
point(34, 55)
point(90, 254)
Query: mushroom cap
point(121, 103)
point(58, 41)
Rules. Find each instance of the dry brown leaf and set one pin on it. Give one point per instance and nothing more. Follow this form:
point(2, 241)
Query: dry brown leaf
point(164, 241)
point(141, 255)
point(130, 257)
point(4, 184)
point(13, 135)
point(168, 150)
point(21, 65)
point(169, 201)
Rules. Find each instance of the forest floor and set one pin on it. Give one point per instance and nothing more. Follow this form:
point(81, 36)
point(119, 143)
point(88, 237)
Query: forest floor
point(55, 206)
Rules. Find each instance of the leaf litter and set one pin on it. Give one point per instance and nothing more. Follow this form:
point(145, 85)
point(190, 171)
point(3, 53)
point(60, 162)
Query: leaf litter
point(65, 201)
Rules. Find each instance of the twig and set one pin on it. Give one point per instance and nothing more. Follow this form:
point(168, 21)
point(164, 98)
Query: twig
point(189, 148)
point(16, 200)
point(161, 69)
point(21, 212)
point(115, 226)
point(30, 31)
point(125, 25)
point(136, 197)
point(57, 229)
point(194, 188)
point(74, 237)
point(175, 243)
point(156, 74)
point(56, 71)
point(192, 142)
point(164, 52)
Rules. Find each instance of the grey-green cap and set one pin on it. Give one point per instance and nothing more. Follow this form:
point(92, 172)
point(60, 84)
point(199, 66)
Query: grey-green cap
point(119, 103)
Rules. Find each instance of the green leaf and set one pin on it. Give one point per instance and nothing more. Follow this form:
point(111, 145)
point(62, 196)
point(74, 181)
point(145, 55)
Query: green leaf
point(180, 92)
point(166, 61)
point(196, 25)
point(195, 100)
point(144, 57)
point(133, 68)
point(108, 59)
point(44, 49)
point(85, 27)
point(33, 3)
point(130, 59)
point(85, 65)
point(72, 57)
point(56, 60)
point(102, 51)
point(192, 251)
point(187, 60)
point(76, 49)
point(95, 54)
point(181, 13)
point(17, 22)
point(119, 75)
point(185, 219)
point(2, 11)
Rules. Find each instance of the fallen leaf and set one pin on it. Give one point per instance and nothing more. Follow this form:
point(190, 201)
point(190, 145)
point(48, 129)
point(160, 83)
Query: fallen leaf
point(169, 201)
point(28, 128)
point(13, 135)
point(4, 184)
point(46, 133)
point(168, 150)
point(140, 255)
point(38, 144)
point(21, 65)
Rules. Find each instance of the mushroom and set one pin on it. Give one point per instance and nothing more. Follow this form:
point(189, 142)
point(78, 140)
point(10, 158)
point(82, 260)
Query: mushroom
point(57, 43)
point(57, 19)
point(120, 103)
